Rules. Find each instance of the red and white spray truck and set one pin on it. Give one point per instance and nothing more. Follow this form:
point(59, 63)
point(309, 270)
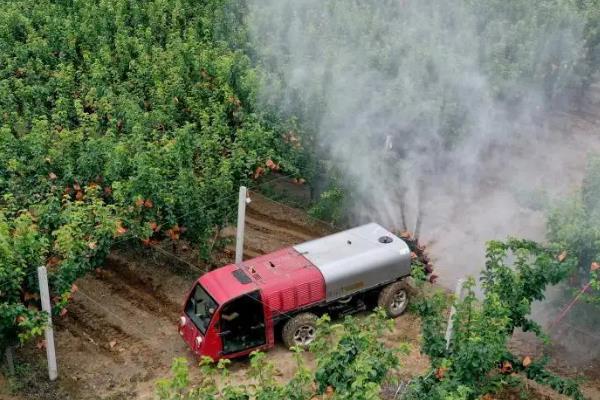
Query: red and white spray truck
point(236, 309)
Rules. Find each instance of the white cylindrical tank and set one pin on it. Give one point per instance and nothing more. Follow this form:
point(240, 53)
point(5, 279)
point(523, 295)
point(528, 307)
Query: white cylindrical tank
point(357, 259)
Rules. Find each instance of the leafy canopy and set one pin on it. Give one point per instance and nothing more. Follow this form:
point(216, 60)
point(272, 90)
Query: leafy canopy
point(118, 119)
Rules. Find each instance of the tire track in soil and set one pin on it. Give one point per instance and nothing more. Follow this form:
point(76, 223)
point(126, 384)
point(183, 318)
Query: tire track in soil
point(87, 324)
point(140, 291)
point(271, 225)
point(281, 218)
point(143, 294)
point(254, 221)
point(133, 304)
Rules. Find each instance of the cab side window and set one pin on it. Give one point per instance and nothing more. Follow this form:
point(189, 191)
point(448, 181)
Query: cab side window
point(242, 323)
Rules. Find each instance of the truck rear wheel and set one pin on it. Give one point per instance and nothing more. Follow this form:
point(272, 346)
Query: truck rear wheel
point(394, 299)
point(300, 330)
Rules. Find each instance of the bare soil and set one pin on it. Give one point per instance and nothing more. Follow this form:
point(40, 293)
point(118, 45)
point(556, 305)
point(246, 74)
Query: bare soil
point(119, 335)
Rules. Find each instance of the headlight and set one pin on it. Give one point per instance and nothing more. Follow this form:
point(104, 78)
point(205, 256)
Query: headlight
point(198, 340)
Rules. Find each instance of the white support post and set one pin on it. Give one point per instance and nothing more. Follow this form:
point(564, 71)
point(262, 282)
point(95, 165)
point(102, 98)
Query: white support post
point(457, 297)
point(241, 218)
point(45, 296)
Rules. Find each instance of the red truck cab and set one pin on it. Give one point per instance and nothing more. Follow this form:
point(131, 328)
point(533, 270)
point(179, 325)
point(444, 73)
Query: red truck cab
point(234, 310)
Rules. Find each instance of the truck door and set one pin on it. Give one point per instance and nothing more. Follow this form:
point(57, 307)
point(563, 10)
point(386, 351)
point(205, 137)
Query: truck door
point(242, 324)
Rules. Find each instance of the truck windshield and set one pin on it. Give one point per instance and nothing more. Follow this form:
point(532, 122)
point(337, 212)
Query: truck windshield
point(200, 308)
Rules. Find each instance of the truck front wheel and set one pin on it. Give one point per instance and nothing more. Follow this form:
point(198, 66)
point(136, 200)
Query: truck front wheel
point(394, 299)
point(300, 330)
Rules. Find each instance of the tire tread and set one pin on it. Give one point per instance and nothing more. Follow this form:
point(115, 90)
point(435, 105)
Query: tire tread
point(287, 333)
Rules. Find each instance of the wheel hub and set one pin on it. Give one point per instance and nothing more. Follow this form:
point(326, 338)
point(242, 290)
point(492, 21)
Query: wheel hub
point(304, 335)
point(399, 301)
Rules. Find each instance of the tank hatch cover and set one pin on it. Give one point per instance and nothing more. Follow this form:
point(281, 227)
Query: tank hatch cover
point(357, 259)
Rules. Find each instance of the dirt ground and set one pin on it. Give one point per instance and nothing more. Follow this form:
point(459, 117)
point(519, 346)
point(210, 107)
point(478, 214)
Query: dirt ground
point(120, 332)
point(119, 335)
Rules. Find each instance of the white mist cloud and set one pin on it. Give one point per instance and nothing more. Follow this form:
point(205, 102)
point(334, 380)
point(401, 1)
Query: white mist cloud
point(432, 104)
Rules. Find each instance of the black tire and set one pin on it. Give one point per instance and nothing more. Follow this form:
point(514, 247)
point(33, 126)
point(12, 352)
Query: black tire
point(394, 298)
point(300, 330)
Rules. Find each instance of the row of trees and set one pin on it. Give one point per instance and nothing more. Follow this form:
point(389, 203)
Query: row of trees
point(118, 119)
point(121, 119)
point(574, 223)
point(478, 360)
point(394, 97)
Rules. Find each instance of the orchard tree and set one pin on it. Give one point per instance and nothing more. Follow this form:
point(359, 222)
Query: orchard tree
point(575, 224)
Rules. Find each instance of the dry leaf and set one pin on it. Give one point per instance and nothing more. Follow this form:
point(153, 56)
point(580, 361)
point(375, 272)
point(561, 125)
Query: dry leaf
point(527, 361)
point(148, 203)
point(120, 229)
point(30, 296)
point(150, 242)
point(139, 202)
point(41, 344)
point(440, 373)
point(173, 233)
point(52, 262)
point(562, 256)
point(52, 176)
point(92, 245)
point(112, 343)
point(506, 367)
point(299, 181)
point(63, 312)
point(271, 165)
point(258, 172)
